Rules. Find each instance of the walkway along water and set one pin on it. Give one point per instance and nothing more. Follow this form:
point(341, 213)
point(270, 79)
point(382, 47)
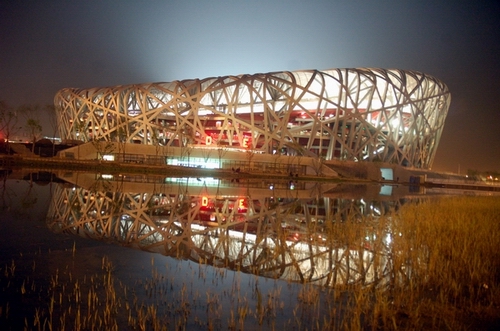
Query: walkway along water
point(426, 179)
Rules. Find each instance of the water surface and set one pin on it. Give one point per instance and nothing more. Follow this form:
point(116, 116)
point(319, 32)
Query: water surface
point(84, 250)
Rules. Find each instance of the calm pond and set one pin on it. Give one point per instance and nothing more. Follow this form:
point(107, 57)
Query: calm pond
point(89, 251)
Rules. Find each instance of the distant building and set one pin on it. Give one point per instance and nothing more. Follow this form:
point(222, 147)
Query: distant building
point(392, 116)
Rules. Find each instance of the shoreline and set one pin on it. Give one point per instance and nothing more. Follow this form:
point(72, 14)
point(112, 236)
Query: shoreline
point(113, 167)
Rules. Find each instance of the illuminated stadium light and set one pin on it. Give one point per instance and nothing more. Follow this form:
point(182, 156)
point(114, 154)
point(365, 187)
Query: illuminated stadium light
point(384, 115)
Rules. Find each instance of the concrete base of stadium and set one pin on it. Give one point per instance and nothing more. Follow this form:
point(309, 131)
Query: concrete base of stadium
point(217, 157)
point(247, 161)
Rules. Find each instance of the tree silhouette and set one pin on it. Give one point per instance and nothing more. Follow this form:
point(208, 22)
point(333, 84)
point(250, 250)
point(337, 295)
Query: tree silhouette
point(34, 130)
point(8, 123)
point(32, 125)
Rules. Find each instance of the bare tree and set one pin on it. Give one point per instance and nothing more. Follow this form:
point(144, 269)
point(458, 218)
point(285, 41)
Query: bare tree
point(317, 165)
point(155, 140)
point(250, 153)
point(102, 147)
point(8, 123)
point(122, 141)
point(206, 154)
point(34, 129)
point(221, 151)
point(50, 111)
point(80, 128)
point(32, 123)
point(186, 151)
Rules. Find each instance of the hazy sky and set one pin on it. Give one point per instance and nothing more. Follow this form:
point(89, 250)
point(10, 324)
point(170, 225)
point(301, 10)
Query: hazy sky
point(49, 45)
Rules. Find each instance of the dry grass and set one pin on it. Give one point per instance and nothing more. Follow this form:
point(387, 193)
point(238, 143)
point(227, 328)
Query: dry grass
point(445, 267)
point(444, 275)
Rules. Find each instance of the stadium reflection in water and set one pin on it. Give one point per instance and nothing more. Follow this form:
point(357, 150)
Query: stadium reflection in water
point(281, 229)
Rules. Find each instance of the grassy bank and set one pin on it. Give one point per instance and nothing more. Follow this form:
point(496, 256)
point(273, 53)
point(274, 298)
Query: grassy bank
point(446, 268)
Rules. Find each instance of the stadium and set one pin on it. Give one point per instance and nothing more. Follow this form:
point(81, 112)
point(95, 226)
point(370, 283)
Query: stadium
point(390, 116)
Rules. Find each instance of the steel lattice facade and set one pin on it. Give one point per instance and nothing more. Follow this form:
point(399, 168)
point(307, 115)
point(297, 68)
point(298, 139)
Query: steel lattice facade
point(245, 233)
point(392, 116)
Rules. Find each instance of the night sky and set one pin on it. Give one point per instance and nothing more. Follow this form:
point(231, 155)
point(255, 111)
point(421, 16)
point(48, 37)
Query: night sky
point(49, 45)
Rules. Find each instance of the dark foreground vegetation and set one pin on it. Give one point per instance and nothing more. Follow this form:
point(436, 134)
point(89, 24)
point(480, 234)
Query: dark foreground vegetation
point(444, 275)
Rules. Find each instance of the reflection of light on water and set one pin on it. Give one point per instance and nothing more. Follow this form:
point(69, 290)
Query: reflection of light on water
point(388, 238)
point(278, 237)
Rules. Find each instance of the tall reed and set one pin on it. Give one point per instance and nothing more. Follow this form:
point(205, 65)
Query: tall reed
point(433, 265)
point(445, 266)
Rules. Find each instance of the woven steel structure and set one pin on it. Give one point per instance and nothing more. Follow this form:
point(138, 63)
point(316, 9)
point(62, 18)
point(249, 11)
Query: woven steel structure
point(277, 237)
point(393, 116)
